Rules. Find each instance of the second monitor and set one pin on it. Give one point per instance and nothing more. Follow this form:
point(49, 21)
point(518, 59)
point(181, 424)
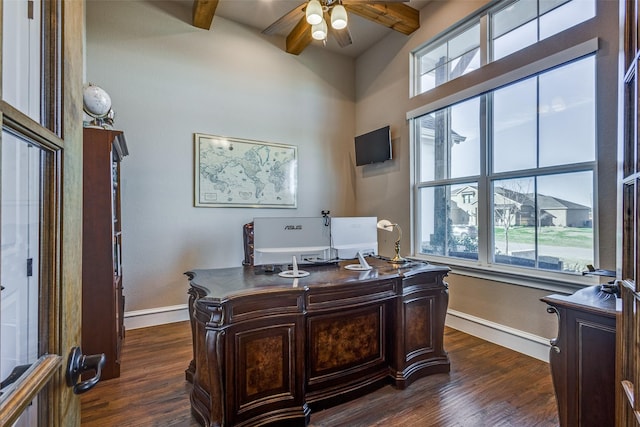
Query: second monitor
point(350, 235)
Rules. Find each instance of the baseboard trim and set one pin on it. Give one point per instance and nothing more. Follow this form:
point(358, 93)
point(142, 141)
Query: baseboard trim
point(155, 316)
point(514, 339)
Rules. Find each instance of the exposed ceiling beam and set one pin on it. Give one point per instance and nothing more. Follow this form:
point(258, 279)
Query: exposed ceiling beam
point(299, 38)
point(203, 12)
point(397, 16)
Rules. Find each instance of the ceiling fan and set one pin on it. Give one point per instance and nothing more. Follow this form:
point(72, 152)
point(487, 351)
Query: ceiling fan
point(309, 20)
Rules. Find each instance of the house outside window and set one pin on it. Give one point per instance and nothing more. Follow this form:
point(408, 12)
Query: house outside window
point(507, 177)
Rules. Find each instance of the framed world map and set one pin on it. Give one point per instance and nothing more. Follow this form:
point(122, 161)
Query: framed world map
point(232, 172)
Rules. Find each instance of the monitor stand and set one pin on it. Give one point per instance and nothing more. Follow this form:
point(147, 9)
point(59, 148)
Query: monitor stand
point(293, 273)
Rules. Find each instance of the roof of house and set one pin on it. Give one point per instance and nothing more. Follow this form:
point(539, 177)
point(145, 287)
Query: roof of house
point(544, 202)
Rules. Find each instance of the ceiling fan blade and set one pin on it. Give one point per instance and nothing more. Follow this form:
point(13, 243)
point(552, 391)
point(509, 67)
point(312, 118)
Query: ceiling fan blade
point(299, 38)
point(203, 12)
point(286, 21)
point(343, 36)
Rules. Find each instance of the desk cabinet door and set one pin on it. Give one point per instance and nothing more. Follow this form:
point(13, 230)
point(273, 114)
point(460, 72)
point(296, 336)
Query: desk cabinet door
point(582, 363)
point(265, 375)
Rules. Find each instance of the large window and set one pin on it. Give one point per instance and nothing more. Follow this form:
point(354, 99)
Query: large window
point(507, 177)
point(540, 133)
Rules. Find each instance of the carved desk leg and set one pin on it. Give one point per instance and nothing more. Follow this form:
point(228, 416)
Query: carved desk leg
point(191, 369)
point(207, 395)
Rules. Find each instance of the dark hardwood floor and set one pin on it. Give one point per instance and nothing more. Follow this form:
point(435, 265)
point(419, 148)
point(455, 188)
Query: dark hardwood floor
point(488, 386)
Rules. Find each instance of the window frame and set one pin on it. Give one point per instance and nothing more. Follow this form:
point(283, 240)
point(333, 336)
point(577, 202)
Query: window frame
point(575, 42)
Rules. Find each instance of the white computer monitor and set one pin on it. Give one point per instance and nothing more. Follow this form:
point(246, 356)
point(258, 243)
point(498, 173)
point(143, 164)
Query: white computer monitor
point(351, 235)
point(277, 240)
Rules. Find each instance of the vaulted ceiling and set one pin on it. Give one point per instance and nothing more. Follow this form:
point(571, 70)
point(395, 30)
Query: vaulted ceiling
point(369, 20)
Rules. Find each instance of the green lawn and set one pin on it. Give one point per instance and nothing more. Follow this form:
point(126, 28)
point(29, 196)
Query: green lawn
point(551, 236)
point(560, 237)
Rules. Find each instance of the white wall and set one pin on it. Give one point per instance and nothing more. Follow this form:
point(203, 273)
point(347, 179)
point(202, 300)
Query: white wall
point(169, 80)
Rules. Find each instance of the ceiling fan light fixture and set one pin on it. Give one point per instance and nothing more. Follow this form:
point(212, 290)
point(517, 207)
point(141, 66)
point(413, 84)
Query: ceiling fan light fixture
point(314, 12)
point(319, 31)
point(339, 17)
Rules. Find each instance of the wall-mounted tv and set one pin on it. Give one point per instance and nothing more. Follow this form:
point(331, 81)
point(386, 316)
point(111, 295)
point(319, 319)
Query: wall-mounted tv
point(373, 147)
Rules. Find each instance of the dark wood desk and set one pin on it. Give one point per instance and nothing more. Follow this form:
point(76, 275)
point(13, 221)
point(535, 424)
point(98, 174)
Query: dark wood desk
point(268, 350)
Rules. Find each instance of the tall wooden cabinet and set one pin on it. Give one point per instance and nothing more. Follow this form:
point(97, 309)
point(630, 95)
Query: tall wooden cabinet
point(102, 299)
point(582, 357)
point(628, 340)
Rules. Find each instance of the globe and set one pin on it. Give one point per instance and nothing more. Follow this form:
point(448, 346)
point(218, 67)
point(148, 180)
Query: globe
point(96, 101)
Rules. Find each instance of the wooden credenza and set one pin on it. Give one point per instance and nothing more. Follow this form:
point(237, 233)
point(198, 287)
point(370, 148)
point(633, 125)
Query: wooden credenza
point(269, 350)
point(102, 299)
point(582, 357)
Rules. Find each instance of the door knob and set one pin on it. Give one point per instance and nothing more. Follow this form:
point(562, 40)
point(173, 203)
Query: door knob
point(78, 364)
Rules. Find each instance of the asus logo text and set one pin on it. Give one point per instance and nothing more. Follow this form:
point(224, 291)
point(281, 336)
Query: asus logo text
point(293, 227)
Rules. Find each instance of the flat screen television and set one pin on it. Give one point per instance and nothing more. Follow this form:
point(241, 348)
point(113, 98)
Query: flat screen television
point(350, 235)
point(277, 240)
point(373, 147)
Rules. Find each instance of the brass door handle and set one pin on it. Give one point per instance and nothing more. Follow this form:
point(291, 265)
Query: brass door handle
point(78, 364)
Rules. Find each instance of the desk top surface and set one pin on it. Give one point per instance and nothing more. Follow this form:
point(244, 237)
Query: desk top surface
point(590, 299)
point(236, 281)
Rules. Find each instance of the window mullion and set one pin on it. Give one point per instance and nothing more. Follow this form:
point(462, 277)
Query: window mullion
point(485, 200)
point(485, 54)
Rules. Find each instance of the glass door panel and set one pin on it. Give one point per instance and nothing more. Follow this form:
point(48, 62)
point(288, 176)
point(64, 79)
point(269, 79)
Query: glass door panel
point(19, 268)
point(21, 53)
point(628, 241)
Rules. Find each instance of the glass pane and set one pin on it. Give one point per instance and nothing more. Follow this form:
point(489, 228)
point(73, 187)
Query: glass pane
point(568, 114)
point(513, 16)
point(630, 123)
point(565, 16)
point(464, 137)
point(515, 40)
point(450, 142)
point(428, 80)
point(20, 236)
point(21, 57)
point(514, 220)
point(451, 59)
point(448, 222)
point(547, 5)
point(465, 42)
point(634, 237)
point(515, 127)
point(565, 222)
point(544, 222)
point(433, 58)
point(465, 64)
point(628, 233)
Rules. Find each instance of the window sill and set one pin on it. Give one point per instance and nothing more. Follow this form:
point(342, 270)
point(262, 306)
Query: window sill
point(564, 283)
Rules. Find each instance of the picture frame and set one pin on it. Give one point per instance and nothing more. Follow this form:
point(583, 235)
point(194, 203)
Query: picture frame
point(234, 172)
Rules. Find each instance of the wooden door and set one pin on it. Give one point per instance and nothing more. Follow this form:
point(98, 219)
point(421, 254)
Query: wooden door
point(628, 333)
point(41, 209)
